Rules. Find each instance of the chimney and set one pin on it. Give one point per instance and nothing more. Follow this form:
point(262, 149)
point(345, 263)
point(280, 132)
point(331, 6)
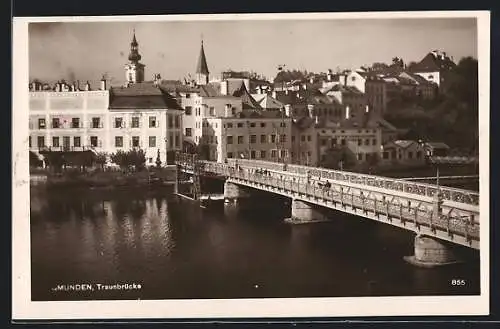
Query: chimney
point(316, 120)
point(347, 114)
point(288, 110)
point(87, 86)
point(223, 87)
point(227, 111)
point(367, 109)
point(103, 83)
point(310, 108)
point(74, 86)
point(329, 76)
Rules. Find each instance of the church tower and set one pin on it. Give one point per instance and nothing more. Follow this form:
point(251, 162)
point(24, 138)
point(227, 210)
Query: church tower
point(134, 70)
point(202, 68)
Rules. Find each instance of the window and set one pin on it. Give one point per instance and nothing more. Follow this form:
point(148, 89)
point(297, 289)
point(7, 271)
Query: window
point(308, 138)
point(262, 124)
point(135, 122)
point(262, 154)
point(385, 155)
point(229, 139)
point(189, 132)
point(283, 153)
point(170, 121)
point(229, 125)
point(152, 122)
point(150, 160)
point(360, 142)
point(252, 154)
point(93, 141)
point(41, 123)
point(360, 156)
point(118, 122)
point(252, 124)
point(40, 141)
point(29, 141)
point(118, 141)
point(323, 142)
point(171, 141)
point(419, 154)
point(240, 139)
point(334, 141)
point(55, 141)
point(135, 141)
point(229, 154)
point(367, 142)
point(211, 111)
point(152, 141)
point(342, 142)
point(262, 138)
point(283, 138)
point(282, 124)
point(410, 155)
point(240, 124)
point(273, 153)
point(188, 110)
point(177, 140)
point(77, 141)
point(188, 95)
point(75, 122)
point(253, 139)
point(303, 138)
point(56, 123)
point(273, 138)
point(96, 122)
point(177, 121)
point(293, 139)
point(374, 141)
point(233, 111)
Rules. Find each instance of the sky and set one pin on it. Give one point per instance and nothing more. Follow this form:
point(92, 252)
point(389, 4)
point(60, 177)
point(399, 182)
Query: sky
point(87, 50)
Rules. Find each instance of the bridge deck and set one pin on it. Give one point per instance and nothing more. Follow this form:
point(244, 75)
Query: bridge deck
point(401, 203)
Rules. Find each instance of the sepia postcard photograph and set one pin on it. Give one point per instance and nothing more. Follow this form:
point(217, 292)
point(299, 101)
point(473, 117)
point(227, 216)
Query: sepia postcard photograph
point(251, 166)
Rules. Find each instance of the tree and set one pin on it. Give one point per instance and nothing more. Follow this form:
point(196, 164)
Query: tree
point(100, 159)
point(137, 159)
point(121, 159)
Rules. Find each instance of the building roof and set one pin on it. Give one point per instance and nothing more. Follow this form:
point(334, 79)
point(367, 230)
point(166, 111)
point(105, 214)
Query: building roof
point(400, 143)
point(248, 102)
point(436, 145)
point(142, 95)
point(267, 102)
point(346, 89)
point(433, 62)
point(201, 66)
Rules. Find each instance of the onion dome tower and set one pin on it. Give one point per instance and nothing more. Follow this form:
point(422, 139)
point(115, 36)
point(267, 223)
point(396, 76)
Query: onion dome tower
point(134, 70)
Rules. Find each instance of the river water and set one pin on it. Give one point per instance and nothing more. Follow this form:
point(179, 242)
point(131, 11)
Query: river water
point(174, 249)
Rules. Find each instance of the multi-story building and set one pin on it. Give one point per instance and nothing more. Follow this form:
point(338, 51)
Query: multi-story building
point(372, 86)
point(137, 116)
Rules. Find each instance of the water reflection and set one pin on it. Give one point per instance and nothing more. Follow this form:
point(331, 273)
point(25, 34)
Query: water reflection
point(178, 250)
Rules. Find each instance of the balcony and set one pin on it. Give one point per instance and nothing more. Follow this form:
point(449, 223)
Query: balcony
point(48, 149)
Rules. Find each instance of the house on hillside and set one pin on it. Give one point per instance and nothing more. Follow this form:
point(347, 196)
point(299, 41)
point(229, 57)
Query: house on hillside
point(434, 67)
point(436, 149)
point(403, 152)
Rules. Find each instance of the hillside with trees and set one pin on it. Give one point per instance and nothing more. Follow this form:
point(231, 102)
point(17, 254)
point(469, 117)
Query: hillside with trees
point(451, 118)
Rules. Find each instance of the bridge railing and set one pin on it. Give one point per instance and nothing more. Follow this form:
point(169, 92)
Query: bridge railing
point(423, 189)
point(423, 214)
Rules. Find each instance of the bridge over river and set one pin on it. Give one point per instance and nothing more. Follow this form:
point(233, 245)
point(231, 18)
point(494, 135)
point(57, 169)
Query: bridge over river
point(440, 216)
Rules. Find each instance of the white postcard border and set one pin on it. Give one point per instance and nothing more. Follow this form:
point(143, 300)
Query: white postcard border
point(24, 308)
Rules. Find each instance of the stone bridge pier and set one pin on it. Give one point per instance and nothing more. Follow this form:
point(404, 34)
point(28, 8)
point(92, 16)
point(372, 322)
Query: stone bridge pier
point(234, 192)
point(303, 212)
point(432, 252)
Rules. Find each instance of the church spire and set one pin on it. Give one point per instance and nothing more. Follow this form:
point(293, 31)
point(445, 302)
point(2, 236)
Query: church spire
point(202, 72)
